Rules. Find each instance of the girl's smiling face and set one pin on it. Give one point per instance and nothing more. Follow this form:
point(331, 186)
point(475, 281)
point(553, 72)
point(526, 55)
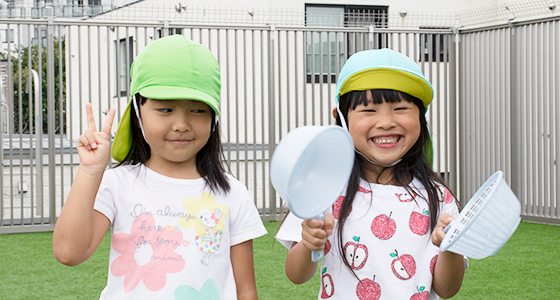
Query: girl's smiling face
point(176, 130)
point(384, 132)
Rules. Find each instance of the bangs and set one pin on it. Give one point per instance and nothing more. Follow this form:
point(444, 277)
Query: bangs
point(378, 96)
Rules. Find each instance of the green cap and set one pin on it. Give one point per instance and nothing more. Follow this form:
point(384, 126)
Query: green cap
point(171, 68)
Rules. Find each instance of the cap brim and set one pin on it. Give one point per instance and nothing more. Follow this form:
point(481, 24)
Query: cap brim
point(173, 92)
point(390, 79)
point(123, 137)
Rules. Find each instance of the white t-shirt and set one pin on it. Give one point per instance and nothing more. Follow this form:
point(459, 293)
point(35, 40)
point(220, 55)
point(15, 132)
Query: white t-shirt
point(171, 237)
point(385, 239)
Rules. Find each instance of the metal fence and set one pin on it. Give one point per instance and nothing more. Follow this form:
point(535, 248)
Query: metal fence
point(509, 108)
point(276, 78)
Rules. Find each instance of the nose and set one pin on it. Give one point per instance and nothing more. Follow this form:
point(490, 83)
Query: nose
point(385, 121)
point(181, 123)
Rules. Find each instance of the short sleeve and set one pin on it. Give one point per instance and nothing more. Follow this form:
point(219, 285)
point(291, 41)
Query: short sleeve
point(247, 223)
point(105, 198)
point(290, 231)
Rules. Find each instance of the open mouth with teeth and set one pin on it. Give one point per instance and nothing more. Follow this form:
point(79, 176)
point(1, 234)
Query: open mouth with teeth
point(386, 140)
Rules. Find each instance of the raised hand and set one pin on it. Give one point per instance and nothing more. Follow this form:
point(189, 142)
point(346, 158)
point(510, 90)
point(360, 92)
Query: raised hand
point(315, 232)
point(94, 148)
point(438, 234)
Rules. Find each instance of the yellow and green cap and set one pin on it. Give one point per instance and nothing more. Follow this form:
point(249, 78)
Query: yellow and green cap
point(385, 69)
point(170, 68)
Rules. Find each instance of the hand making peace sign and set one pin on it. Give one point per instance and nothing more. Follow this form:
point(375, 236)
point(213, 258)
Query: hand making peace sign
point(94, 148)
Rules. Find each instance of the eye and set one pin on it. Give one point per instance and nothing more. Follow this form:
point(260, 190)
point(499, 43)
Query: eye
point(165, 110)
point(198, 110)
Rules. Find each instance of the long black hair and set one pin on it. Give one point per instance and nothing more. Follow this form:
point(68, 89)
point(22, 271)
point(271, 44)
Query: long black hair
point(209, 160)
point(414, 164)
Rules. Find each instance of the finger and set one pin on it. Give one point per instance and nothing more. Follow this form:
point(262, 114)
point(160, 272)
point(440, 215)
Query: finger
point(89, 135)
point(90, 118)
point(109, 121)
point(312, 223)
point(444, 219)
point(437, 236)
point(329, 224)
point(85, 140)
point(313, 242)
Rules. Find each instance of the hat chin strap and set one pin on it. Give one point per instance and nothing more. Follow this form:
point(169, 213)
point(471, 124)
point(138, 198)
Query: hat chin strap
point(343, 121)
point(137, 111)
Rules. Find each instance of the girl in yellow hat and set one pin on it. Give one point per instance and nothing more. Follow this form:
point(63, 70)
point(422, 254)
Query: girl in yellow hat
point(381, 237)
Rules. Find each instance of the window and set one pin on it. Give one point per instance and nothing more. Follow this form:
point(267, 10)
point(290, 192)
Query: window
point(8, 36)
point(326, 51)
point(44, 37)
point(433, 47)
point(124, 56)
point(172, 31)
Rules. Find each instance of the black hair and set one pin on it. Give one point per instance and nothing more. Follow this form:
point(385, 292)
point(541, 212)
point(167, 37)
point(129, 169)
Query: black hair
point(209, 160)
point(414, 164)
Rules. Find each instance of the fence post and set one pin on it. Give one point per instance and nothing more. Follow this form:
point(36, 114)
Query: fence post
point(165, 29)
point(515, 118)
point(51, 120)
point(453, 53)
point(271, 117)
point(370, 37)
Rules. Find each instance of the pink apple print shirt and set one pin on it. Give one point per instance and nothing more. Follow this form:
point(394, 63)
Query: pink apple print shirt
point(386, 241)
point(171, 238)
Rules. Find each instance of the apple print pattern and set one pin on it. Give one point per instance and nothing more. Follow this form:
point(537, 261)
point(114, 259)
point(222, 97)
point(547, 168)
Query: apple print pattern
point(405, 197)
point(385, 219)
point(433, 264)
point(447, 197)
point(356, 253)
point(422, 294)
point(368, 289)
point(327, 247)
point(327, 289)
point(404, 266)
point(338, 204)
point(383, 227)
point(419, 222)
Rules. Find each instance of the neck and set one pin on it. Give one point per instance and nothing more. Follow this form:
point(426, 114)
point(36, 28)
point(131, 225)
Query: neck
point(185, 170)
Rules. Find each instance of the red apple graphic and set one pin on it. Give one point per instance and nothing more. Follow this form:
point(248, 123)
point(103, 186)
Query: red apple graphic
point(433, 264)
point(368, 289)
point(383, 226)
point(419, 222)
point(421, 295)
point(365, 191)
point(337, 206)
point(327, 289)
point(327, 247)
point(405, 197)
point(404, 266)
point(447, 196)
point(356, 253)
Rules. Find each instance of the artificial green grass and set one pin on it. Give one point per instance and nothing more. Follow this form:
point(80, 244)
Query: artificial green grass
point(527, 267)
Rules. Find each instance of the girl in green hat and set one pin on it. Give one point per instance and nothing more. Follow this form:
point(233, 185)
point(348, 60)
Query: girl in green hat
point(181, 227)
point(381, 237)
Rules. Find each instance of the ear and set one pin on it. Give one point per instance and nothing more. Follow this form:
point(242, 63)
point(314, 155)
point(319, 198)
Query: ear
point(334, 114)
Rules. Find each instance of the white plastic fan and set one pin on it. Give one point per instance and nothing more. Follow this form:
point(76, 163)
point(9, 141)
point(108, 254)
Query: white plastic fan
point(487, 221)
